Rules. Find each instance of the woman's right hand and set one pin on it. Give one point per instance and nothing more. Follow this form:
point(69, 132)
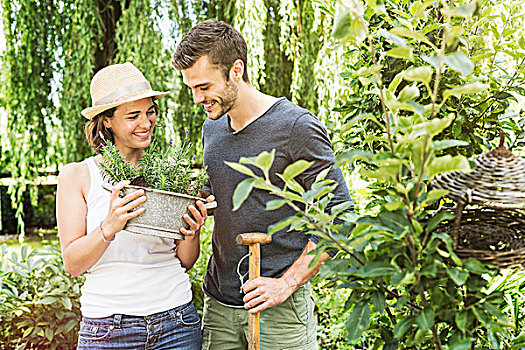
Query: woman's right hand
point(120, 209)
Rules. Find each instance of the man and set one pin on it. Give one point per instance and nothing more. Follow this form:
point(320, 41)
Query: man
point(243, 122)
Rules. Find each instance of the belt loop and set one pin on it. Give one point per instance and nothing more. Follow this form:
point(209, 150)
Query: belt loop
point(117, 318)
point(173, 314)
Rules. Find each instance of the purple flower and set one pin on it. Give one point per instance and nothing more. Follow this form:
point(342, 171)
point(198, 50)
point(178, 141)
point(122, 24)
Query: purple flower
point(186, 130)
point(170, 143)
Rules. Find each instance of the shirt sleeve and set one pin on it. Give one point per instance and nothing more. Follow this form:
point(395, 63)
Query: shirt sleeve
point(309, 141)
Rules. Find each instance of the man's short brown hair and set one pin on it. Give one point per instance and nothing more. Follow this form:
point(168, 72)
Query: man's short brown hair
point(222, 43)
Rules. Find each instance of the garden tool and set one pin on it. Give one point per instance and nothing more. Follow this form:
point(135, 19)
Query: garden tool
point(254, 240)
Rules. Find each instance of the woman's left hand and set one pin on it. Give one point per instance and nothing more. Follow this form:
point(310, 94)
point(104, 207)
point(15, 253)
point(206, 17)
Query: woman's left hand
point(199, 216)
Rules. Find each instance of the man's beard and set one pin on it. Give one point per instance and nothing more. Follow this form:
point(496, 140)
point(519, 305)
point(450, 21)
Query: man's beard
point(231, 92)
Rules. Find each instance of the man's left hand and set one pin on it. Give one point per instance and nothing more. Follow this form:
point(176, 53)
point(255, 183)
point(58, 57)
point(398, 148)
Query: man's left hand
point(264, 292)
point(199, 216)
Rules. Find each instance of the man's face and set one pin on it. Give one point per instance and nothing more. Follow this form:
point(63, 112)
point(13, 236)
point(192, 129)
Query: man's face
point(210, 88)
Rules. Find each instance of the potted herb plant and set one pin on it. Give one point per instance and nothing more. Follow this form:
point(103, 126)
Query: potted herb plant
point(168, 180)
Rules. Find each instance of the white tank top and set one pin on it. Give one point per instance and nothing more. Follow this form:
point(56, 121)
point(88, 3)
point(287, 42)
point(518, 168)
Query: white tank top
point(137, 275)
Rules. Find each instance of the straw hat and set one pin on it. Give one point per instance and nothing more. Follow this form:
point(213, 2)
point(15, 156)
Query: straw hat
point(117, 84)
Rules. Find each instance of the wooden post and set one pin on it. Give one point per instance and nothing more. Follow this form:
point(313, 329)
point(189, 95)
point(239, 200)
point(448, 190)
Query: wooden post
point(254, 240)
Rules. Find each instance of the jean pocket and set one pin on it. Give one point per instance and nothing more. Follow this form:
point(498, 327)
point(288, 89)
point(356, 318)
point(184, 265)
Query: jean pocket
point(94, 332)
point(189, 317)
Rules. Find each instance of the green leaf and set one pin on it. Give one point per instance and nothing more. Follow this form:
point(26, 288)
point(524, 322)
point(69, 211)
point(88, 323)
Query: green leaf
point(409, 33)
point(366, 71)
point(23, 252)
point(378, 299)
point(295, 169)
point(48, 300)
point(408, 93)
point(393, 206)
point(322, 175)
point(467, 89)
point(493, 340)
point(444, 144)
point(275, 204)
point(436, 194)
point(358, 321)
point(401, 52)
point(66, 302)
point(27, 331)
point(434, 222)
point(399, 41)
point(396, 81)
point(460, 63)
point(464, 10)
point(432, 60)
point(240, 168)
point(354, 154)
point(459, 277)
point(425, 319)
point(350, 25)
point(402, 326)
point(49, 333)
point(447, 163)
point(242, 191)
point(265, 160)
point(432, 127)
point(463, 344)
point(377, 5)
point(464, 319)
point(347, 127)
point(281, 224)
point(375, 269)
point(422, 74)
point(475, 266)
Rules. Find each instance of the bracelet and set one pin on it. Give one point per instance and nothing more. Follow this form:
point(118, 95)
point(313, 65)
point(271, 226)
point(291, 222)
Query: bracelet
point(102, 234)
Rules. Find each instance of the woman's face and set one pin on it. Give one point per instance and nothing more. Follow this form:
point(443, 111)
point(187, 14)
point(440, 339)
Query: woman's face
point(132, 125)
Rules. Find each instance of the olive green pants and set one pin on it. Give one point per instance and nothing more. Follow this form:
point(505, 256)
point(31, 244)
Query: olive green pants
point(289, 326)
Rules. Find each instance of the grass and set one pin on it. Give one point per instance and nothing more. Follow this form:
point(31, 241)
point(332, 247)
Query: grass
point(36, 239)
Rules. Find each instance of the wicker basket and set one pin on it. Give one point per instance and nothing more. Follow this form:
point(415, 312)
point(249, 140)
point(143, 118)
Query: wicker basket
point(492, 231)
point(498, 180)
point(495, 236)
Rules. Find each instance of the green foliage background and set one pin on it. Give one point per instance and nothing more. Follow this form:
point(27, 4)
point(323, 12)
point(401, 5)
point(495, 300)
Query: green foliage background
point(316, 54)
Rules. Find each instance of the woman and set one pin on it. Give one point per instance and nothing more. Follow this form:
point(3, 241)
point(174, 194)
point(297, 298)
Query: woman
point(136, 294)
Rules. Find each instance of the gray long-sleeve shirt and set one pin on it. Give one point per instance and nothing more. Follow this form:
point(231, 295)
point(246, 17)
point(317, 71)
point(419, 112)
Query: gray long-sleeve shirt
point(295, 134)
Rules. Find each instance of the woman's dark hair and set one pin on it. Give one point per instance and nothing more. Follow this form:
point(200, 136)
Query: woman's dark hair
point(95, 130)
point(222, 43)
point(97, 133)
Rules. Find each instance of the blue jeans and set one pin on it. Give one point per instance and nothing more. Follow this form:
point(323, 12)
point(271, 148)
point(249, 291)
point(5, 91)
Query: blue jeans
point(178, 328)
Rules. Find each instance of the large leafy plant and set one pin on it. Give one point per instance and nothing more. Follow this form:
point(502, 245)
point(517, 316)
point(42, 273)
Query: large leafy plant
point(39, 306)
point(402, 270)
point(169, 170)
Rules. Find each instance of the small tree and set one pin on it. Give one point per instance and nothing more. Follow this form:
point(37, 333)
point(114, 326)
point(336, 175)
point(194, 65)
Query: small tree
point(416, 75)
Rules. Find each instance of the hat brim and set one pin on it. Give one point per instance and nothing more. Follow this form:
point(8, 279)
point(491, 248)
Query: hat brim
point(91, 112)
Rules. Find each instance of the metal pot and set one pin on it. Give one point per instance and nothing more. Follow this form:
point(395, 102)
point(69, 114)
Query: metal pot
point(164, 211)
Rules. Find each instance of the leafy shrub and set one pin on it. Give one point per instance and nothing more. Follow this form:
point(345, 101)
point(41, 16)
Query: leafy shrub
point(39, 306)
point(416, 76)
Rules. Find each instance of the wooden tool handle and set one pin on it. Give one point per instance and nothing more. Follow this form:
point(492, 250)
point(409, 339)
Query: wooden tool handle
point(253, 238)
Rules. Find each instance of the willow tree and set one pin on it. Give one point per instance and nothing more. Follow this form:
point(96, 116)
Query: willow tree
point(53, 49)
point(55, 46)
point(31, 31)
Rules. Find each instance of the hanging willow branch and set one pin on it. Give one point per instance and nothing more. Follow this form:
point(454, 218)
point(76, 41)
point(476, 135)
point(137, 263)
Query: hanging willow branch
point(30, 29)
